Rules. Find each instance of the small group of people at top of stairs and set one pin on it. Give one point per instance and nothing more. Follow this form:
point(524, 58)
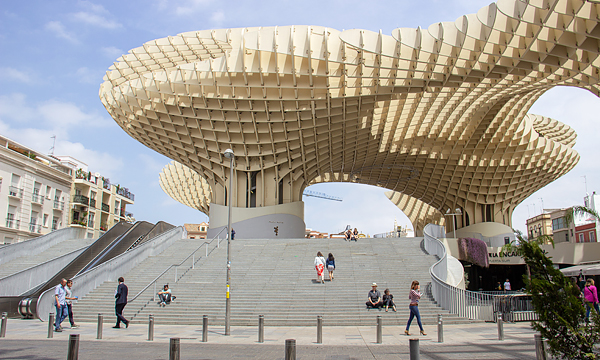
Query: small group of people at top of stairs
point(350, 235)
point(375, 301)
point(321, 263)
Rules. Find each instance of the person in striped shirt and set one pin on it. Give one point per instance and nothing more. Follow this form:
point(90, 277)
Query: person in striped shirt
point(414, 296)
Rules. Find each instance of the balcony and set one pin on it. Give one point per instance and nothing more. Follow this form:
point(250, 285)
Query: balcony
point(12, 223)
point(80, 199)
point(15, 192)
point(126, 213)
point(78, 222)
point(105, 207)
point(93, 203)
point(58, 205)
point(125, 193)
point(35, 228)
point(103, 227)
point(38, 199)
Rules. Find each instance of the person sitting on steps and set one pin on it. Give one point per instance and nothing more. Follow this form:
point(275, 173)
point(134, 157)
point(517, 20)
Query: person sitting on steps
point(374, 299)
point(165, 296)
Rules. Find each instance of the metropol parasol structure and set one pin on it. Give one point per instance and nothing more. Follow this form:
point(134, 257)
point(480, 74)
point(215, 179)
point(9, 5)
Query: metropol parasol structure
point(436, 115)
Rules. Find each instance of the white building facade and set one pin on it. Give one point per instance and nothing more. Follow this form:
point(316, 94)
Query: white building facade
point(34, 193)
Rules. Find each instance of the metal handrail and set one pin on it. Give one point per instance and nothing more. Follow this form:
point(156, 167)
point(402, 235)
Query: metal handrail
point(153, 282)
point(465, 303)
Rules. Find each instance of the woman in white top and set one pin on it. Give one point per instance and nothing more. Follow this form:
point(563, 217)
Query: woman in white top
point(320, 266)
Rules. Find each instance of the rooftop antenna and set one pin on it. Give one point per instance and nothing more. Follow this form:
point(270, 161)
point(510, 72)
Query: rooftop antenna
point(51, 151)
point(585, 183)
point(542, 200)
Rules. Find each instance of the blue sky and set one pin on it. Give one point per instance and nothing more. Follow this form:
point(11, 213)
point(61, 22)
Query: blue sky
point(55, 53)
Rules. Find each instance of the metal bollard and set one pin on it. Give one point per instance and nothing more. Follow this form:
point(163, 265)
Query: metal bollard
point(261, 328)
point(3, 325)
point(73, 352)
point(51, 326)
point(290, 349)
point(440, 329)
point(379, 330)
point(500, 328)
point(319, 329)
point(204, 328)
point(540, 349)
point(151, 327)
point(174, 349)
point(99, 328)
point(414, 349)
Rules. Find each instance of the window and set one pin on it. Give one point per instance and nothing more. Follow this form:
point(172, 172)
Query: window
point(90, 235)
point(8, 240)
point(54, 223)
point(116, 207)
point(91, 220)
point(592, 236)
point(48, 191)
point(57, 194)
point(558, 223)
point(581, 238)
point(567, 236)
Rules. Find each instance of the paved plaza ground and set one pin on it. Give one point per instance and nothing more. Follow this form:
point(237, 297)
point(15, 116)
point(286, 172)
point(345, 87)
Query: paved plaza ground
point(27, 339)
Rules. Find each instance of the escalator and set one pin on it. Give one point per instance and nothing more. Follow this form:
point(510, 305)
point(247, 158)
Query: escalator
point(114, 242)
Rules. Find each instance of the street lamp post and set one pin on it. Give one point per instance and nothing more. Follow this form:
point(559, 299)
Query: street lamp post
point(228, 154)
point(457, 212)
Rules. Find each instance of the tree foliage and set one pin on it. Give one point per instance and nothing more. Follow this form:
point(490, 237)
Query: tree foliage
point(557, 301)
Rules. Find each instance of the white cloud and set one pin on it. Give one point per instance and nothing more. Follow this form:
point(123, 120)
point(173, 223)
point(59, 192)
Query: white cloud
point(190, 7)
point(60, 31)
point(34, 126)
point(112, 52)
point(9, 73)
point(101, 162)
point(96, 20)
point(87, 76)
point(217, 18)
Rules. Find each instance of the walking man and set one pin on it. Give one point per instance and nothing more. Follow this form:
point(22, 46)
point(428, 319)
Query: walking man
point(121, 297)
point(61, 304)
point(69, 297)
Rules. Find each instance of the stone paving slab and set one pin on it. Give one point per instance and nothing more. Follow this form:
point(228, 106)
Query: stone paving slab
point(27, 339)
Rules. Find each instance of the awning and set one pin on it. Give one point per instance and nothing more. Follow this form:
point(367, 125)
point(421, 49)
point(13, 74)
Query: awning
point(591, 269)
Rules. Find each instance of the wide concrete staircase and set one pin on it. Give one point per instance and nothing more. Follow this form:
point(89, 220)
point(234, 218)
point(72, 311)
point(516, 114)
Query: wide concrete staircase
point(276, 278)
point(25, 262)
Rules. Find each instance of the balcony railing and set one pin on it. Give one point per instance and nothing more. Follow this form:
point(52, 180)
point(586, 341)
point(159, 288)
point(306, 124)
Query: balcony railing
point(58, 205)
point(80, 199)
point(93, 203)
point(126, 214)
point(35, 228)
point(105, 207)
point(37, 198)
point(125, 192)
point(12, 223)
point(15, 191)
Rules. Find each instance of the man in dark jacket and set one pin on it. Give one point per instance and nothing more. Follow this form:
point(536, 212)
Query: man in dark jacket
point(121, 296)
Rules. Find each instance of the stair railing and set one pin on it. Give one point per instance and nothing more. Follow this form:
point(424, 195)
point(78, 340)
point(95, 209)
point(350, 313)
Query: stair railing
point(176, 266)
point(465, 303)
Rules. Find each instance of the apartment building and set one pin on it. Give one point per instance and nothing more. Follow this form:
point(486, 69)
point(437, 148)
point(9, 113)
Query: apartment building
point(196, 231)
point(95, 203)
point(34, 192)
point(583, 228)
